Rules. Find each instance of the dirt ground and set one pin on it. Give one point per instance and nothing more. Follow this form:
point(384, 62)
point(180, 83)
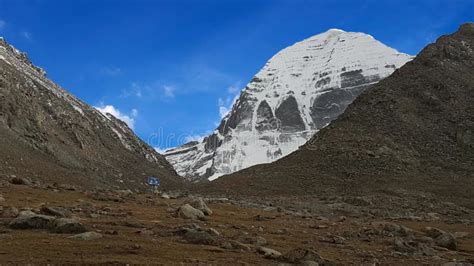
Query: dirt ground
point(139, 229)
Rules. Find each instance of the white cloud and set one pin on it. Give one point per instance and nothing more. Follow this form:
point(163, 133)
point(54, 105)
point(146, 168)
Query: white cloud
point(234, 88)
point(134, 90)
point(160, 150)
point(110, 109)
point(169, 91)
point(27, 35)
point(225, 105)
point(153, 90)
point(223, 109)
point(198, 138)
point(2, 24)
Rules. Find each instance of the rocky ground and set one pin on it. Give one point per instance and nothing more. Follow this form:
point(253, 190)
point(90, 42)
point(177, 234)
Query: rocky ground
point(51, 223)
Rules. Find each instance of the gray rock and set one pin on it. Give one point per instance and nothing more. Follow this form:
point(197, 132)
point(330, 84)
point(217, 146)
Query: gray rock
point(2, 199)
point(413, 247)
point(433, 232)
point(199, 204)
point(442, 238)
point(300, 255)
point(188, 212)
point(10, 212)
point(52, 211)
point(238, 245)
point(20, 181)
point(31, 220)
point(213, 232)
point(461, 234)
point(87, 236)
point(447, 240)
point(397, 230)
point(67, 226)
point(269, 253)
point(199, 237)
point(253, 240)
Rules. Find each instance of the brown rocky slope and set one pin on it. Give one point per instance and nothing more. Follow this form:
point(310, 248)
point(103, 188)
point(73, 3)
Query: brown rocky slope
point(47, 134)
point(412, 131)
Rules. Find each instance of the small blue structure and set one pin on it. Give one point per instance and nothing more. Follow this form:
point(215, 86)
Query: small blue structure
point(153, 181)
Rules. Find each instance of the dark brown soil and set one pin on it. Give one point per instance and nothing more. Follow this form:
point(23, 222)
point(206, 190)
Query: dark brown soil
point(143, 225)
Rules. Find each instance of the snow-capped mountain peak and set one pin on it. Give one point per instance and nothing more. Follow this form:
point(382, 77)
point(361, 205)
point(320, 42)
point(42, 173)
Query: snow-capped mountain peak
point(298, 91)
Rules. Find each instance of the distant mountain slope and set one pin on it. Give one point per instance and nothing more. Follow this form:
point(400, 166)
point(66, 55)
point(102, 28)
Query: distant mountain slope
point(298, 92)
point(414, 130)
point(46, 133)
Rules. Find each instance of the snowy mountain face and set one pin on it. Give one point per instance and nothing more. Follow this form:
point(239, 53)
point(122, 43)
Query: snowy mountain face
point(299, 91)
point(39, 117)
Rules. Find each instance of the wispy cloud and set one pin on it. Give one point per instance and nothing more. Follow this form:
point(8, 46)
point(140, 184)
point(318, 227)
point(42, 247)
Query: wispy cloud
point(198, 138)
point(169, 91)
point(27, 35)
point(154, 90)
point(160, 150)
point(111, 71)
point(225, 104)
point(234, 88)
point(110, 109)
point(135, 90)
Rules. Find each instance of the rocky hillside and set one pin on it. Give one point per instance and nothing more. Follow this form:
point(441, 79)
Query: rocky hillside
point(299, 91)
point(46, 133)
point(413, 131)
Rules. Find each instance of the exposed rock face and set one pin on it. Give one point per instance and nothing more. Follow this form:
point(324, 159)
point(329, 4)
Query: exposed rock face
point(47, 133)
point(299, 91)
point(412, 131)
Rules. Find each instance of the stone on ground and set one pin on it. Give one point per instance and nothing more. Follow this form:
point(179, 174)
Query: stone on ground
point(188, 212)
point(87, 236)
point(199, 204)
point(269, 253)
point(31, 220)
point(67, 226)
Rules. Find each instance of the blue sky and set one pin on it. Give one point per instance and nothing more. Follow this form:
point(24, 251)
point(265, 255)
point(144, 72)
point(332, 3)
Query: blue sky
point(171, 67)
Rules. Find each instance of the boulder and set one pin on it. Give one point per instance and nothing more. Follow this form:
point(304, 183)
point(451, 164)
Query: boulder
point(447, 240)
point(300, 255)
point(31, 220)
point(413, 247)
point(67, 226)
point(20, 181)
point(433, 232)
point(442, 238)
point(9, 212)
point(53, 211)
point(188, 212)
point(199, 204)
point(269, 253)
point(253, 240)
point(199, 237)
point(87, 236)
point(233, 244)
point(397, 230)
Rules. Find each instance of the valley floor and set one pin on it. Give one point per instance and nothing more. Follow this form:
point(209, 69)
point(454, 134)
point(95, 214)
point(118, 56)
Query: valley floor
point(142, 229)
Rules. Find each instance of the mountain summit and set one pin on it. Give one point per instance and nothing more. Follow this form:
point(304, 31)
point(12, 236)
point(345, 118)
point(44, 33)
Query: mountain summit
point(413, 131)
point(299, 91)
point(47, 133)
